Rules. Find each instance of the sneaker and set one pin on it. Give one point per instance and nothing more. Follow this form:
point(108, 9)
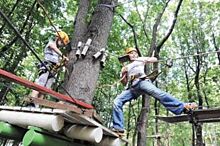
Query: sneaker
point(120, 132)
point(188, 107)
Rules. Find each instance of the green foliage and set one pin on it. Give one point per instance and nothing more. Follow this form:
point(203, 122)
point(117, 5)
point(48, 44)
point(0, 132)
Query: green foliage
point(196, 23)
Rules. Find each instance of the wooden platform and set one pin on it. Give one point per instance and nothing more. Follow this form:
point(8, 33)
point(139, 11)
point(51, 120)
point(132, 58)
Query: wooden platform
point(69, 117)
point(200, 115)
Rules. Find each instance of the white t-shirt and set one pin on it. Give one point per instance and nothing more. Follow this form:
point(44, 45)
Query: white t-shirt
point(136, 68)
point(50, 54)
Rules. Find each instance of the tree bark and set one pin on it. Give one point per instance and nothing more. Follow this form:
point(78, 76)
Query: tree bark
point(142, 122)
point(84, 72)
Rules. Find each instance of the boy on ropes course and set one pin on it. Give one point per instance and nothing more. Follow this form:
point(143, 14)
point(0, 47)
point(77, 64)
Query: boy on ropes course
point(52, 55)
point(137, 83)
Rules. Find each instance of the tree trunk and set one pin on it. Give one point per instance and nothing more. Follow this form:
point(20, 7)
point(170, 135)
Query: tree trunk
point(84, 72)
point(154, 49)
point(142, 121)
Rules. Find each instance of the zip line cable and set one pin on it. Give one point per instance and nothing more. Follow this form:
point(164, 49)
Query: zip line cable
point(32, 50)
point(194, 55)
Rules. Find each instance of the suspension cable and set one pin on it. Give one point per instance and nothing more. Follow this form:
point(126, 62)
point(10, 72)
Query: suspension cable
point(32, 50)
point(192, 55)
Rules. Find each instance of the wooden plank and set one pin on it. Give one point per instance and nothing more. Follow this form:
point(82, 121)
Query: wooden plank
point(42, 89)
point(207, 113)
point(173, 119)
point(31, 109)
point(200, 115)
point(211, 120)
point(63, 105)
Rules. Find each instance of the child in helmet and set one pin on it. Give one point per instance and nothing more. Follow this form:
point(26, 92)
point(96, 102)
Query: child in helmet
point(134, 76)
point(52, 55)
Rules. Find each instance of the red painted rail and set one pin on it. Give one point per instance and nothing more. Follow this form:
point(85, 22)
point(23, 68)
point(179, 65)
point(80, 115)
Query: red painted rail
point(42, 89)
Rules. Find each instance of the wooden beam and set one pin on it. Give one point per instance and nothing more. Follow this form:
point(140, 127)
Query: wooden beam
point(42, 89)
point(64, 106)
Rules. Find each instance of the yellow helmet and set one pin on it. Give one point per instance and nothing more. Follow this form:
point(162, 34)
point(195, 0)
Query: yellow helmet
point(63, 36)
point(128, 50)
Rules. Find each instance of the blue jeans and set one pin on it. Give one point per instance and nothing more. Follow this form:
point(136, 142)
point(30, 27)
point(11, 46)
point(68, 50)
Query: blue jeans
point(140, 87)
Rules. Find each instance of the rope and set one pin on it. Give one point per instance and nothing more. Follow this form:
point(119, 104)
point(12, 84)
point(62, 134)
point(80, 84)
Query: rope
point(32, 50)
point(193, 55)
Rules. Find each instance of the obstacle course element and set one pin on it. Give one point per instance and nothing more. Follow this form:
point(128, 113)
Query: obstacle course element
point(200, 115)
point(76, 128)
point(196, 118)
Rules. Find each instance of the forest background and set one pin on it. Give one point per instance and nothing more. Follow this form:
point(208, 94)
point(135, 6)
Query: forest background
point(195, 29)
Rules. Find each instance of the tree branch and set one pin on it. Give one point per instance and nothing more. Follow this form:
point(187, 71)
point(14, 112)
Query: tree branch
point(154, 33)
point(142, 21)
point(7, 46)
point(216, 47)
point(134, 33)
point(10, 13)
point(171, 28)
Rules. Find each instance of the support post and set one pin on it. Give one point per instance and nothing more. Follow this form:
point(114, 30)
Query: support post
point(9, 131)
point(199, 140)
point(91, 134)
point(23, 119)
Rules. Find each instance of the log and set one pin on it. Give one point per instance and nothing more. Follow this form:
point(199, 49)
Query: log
point(45, 121)
point(87, 133)
point(9, 131)
point(110, 141)
point(33, 138)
